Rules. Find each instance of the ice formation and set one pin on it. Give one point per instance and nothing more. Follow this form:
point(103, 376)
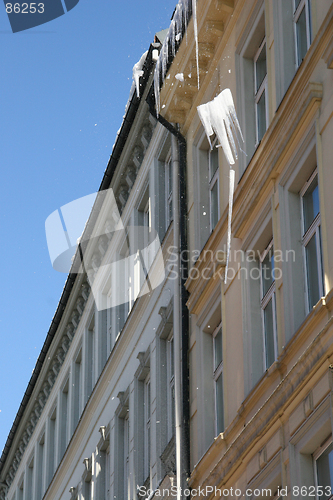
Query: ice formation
point(219, 116)
point(138, 72)
point(178, 26)
point(195, 24)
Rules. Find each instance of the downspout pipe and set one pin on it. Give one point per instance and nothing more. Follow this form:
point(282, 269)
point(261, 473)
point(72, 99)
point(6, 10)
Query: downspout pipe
point(179, 146)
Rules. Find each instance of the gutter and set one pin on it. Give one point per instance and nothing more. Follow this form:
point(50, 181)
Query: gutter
point(106, 181)
point(180, 242)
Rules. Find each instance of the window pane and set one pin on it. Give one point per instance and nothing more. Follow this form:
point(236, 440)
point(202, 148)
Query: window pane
point(213, 161)
point(297, 2)
point(219, 404)
point(325, 469)
point(302, 44)
point(312, 272)
point(214, 206)
point(269, 334)
point(261, 68)
point(311, 204)
point(218, 348)
point(261, 116)
point(171, 358)
point(267, 271)
point(169, 178)
point(170, 210)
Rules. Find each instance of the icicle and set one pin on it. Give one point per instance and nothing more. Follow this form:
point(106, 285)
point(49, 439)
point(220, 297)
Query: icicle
point(219, 116)
point(179, 22)
point(138, 72)
point(157, 85)
point(173, 37)
point(195, 24)
point(204, 115)
point(231, 197)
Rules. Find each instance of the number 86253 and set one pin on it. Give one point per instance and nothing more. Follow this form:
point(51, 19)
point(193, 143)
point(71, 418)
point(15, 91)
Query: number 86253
point(25, 8)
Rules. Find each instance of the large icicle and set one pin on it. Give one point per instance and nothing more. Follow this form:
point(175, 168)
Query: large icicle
point(219, 116)
point(138, 72)
point(195, 24)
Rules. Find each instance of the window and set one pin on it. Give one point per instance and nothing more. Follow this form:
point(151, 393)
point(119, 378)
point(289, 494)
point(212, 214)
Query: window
point(213, 162)
point(311, 240)
point(77, 381)
point(29, 485)
point(126, 457)
point(51, 462)
point(90, 357)
point(87, 489)
point(268, 306)
point(323, 470)
point(171, 387)
point(302, 28)
point(260, 90)
point(168, 192)
point(218, 379)
point(40, 468)
point(146, 430)
point(20, 491)
point(63, 428)
point(252, 83)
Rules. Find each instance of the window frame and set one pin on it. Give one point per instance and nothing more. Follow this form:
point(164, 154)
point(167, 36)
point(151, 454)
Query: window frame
point(262, 90)
point(313, 230)
point(126, 445)
point(303, 4)
point(147, 427)
point(170, 386)
point(269, 296)
point(168, 191)
point(317, 454)
point(212, 181)
point(217, 372)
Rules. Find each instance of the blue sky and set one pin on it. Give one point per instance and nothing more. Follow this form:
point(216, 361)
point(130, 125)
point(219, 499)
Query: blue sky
point(63, 90)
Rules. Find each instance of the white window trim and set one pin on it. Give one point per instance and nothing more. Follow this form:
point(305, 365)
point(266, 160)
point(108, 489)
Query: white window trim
point(147, 426)
point(107, 473)
point(316, 455)
point(212, 181)
point(171, 385)
point(270, 295)
point(110, 340)
point(297, 12)
point(217, 372)
point(126, 457)
point(168, 191)
point(313, 230)
point(263, 89)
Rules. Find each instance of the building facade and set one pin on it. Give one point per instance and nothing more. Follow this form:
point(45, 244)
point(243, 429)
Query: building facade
point(162, 367)
point(261, 341)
